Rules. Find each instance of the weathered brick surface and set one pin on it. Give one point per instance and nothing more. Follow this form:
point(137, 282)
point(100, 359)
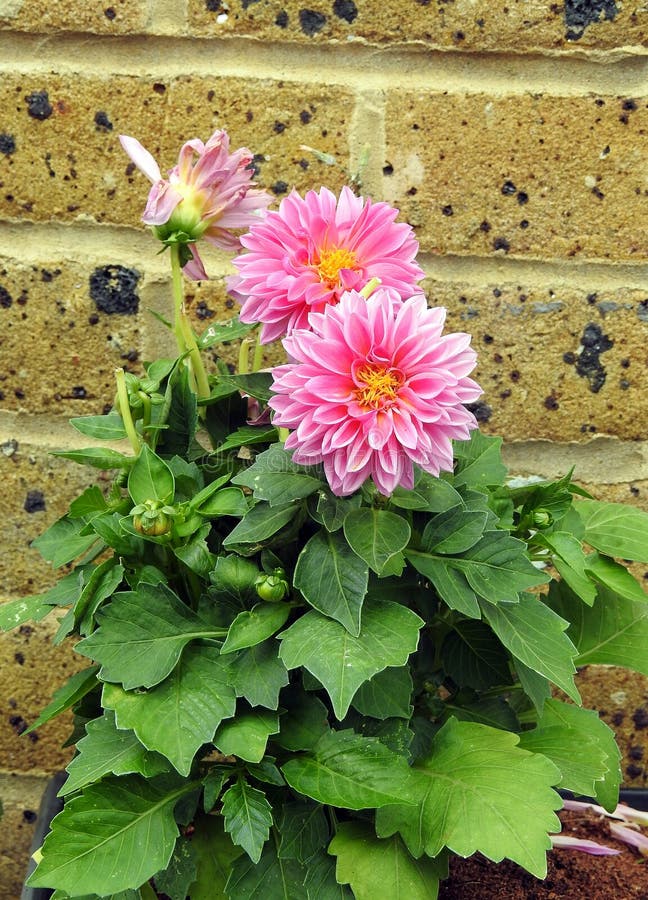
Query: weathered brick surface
point(37, 489)
point(99, 16)
point(554, 362)
point(479, 25)
point(25, 654)
point(77, 322)
point(21, 797)
point(70, 165)
point(539, 176)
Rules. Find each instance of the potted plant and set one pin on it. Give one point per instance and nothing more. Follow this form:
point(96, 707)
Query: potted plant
point(322, 624)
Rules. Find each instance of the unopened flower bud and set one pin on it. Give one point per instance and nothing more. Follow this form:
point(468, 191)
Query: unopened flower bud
point(272, 587)
point(152, 518)
point(542, 518)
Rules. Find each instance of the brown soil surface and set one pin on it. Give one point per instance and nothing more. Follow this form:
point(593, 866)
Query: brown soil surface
point(572, 875)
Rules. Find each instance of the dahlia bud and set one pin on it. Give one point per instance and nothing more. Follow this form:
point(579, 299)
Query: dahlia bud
point(152, 518)
point(272, 587)
point(542, 518)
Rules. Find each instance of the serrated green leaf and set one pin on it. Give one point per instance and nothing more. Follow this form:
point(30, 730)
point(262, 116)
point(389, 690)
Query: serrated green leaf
point(473, 657)
point(304, 722)
point(304, 830)
point(256, 384)
point(229, 501)
point(478, 461)
point(333, 579)
point(350, 771)
point(180, 871)
point(62, 542)
point(104, 428)
point(536, 635)
point(150, 478)
point(233, 577)
point(381, 868)
point(266, 771)
point(254, 626)
point(388, 694)
point(231, 330)
point(569, 560)
point(258, 674)
point(478, 791)
point(329, 510)
point(107, 750)
point(260, 523)
point(394, 733)
point(276, 478)
point(180, 413)
point(248, 817)
point(141, 635)
point(454, 531)
point(341, 661)
point(102, 582)
point(178, 716)
point(450, 584)
point(132, 821)
point(14, 613)
point(248, 435)
point(376, 536)
point(614, 576)
point(89, 503)
point(214, 853)
point(320, 881)
point(492, 711)
point(615, 528)
point(535, 686)
point(97, 457)
point(76, 687)
point(195, 554)
point(269, 879)
point(246, 736)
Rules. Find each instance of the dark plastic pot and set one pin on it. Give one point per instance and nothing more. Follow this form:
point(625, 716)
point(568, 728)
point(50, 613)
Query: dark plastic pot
point(49, 807)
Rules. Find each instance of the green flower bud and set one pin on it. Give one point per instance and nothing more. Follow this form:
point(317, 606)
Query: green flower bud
point(152, 518)
point(542, 518)
point(272, 587)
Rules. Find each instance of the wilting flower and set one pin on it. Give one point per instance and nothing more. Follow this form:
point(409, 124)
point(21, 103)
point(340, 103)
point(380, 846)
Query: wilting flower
point(375, 387)
point(630, 835)
point(208, 193)
point(566, 842)
point(307, 254)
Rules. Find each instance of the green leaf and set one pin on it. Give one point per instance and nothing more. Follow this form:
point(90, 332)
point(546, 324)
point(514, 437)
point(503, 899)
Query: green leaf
point(102, 582)
point(341, 661)
point(150, 478)
point(132, 822)
point(304, 722)
point(351, 772)
point(89, 503)
point(320, 881)
point(276, 478)
point(304, 830)
point(106, 750)
point(248, 435)
point(260, 523)
point(450, 584)
point(330, 511)
point(536, 635)
point(473, 657)
point(27, 609)
point(62, 542)
point(247, 735)
point(535, 686)
point(180, 872)
point(429, 493)
point(234, 577)
point(97, 457)
point(195, 554)
point(254, 626)
point(569, 560)
point(478, 791)
point(394, 733)
point(180, 715)
point(229, 501)
point(256, 384)
point(266, 771)
point(231, 330)
point(269, 879)
point(76, 687)
point(141, 635)
point(614, 631)
point(492, 711)
point(376, 536)
point(109, 527)
point(388, 694)
point(248, 817)
point(580, 744)
point(454, 531)
point(104, 428)
point(181, 414)
point(332, 578)
point(258, 674)
point(214, 854)
point(615, 528)
point(614, 576)
point(381, 868)
point(478, 461)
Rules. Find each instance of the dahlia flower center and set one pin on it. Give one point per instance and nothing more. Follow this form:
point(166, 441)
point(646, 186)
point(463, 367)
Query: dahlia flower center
point(378, 385)
point(331, 261)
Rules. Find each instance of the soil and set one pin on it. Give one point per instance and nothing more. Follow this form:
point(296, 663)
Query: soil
point(572, 874)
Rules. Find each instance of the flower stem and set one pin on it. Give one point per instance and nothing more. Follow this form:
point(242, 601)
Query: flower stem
point(185, 337)
point(125, 411)
point(244, 355)
point(257, 359)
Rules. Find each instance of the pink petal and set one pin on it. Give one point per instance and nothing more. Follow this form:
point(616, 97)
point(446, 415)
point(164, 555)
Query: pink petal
point(141, 157)
point(572, 843)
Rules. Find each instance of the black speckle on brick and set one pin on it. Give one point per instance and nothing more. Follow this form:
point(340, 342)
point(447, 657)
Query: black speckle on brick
point(203, 311)
point(624, 384)
point(642, 310)
point(522, 197)
point(213, 5)
point(93, 319)
point(636, 752)
point(7, 144)
point(19, 658)
point(246, 3)
point(5, 298)
point(480, 410)
point(447, 210)
point(458, 36)
point(388, 169)
point(29, 816)
point(497, 293)
point(488, 339)
point(524, 224)
point(630, 105)
point(634, 771)
point(38, 105)
point(588, 364)
point(485, 226)
point(640, 718)
point(114, 289)
point(279, 127)
point(500, 243)
point(279, 187)
point(508, 188)
point(345, 9)
point(311, 21)
point(551, 402)
point(598, 193)
point(34, 502)
point(255, 165)
point(581, 13)
point(159, 88)
point(305, 117)
point(102, 122)
point(569, 358)
point(617, 718)
point(18, 724)
point(282, 19)
point(110, 13)
point(79, 392)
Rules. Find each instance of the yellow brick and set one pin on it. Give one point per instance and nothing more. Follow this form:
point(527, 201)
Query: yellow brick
point(68, 167)
point(33, 668)
point(539, 176)
point(99, 16)
point(65, 328)
point(33, 480)
point(478, 25)
point(21, 797)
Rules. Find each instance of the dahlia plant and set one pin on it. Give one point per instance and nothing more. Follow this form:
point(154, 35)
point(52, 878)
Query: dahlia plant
point(330, 643)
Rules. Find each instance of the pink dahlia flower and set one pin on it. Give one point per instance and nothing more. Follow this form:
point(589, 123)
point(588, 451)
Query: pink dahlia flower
point(373, 389)
point(203, 197)
point(303, 257)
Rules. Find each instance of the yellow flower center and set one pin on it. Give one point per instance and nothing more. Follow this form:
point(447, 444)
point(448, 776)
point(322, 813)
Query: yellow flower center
point(331, 261)
point(380, 385)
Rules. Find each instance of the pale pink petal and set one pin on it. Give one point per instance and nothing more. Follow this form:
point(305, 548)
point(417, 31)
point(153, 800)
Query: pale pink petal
point(573, 843)
point(141, 157)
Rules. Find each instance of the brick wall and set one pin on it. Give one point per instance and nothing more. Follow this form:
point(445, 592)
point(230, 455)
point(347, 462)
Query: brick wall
point(513, 136)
